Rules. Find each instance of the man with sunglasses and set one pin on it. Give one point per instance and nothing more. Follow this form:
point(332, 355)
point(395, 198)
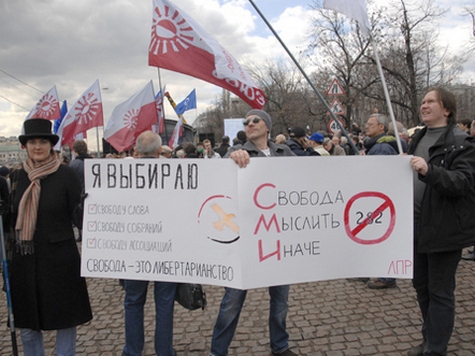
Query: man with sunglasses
point(257, 125)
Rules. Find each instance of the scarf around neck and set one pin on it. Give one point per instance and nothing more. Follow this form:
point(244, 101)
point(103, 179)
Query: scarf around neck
point(28, 207)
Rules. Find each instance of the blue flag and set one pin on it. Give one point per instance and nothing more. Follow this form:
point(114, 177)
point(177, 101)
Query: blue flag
point(187, 104)
point(63, 111)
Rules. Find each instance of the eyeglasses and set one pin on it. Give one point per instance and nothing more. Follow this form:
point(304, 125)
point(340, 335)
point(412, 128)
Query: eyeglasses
point(255, 120)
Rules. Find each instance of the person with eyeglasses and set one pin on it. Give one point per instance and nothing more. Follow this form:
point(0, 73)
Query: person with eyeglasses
point(257, 124)
point(443, 160)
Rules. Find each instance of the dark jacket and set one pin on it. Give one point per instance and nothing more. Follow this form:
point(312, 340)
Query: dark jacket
point(47, 290)
point(383, 145)
point(299, 150)
point(5, 205)
point(222, 149)
point(275, 149)
point(78, 165)
point(446, 221)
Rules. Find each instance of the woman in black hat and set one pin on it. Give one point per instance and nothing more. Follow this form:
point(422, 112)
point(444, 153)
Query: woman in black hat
point(47, 290)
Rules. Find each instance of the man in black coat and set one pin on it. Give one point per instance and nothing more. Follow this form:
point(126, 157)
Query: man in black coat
point(224, 147)
point(4, 210)
point(80, 151)
point(299, 144)
point(444, 199)
point(471, 253)
point(379, 143)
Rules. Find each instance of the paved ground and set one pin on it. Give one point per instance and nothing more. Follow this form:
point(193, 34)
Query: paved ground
point(339, 317)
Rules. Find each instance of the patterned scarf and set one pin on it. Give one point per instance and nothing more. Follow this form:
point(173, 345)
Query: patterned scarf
point(28, 208)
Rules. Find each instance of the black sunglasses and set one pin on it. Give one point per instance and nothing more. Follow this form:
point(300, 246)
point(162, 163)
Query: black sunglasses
point(255, 120)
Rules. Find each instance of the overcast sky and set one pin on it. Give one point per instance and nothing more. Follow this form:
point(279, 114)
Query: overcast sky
point(71, 43)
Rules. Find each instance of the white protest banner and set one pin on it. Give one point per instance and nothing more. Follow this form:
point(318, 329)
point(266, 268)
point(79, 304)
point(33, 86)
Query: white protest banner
point(278, 221)
point(152, 219)
point(326, 218)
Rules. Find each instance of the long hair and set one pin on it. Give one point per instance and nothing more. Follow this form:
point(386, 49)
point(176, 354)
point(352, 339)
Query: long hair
point(448, 102)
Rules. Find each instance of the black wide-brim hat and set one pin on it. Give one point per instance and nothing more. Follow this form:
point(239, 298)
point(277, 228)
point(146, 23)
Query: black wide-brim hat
point(37, 128)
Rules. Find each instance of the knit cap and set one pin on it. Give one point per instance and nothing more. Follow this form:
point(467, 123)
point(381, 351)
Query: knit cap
point(263, 115)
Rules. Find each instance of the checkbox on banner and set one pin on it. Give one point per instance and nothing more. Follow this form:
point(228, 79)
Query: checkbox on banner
point(92, 226)
point(91, 243)
point(92, 209)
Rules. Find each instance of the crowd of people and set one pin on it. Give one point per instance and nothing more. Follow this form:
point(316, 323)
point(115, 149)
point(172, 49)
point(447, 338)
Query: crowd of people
point(45, 196)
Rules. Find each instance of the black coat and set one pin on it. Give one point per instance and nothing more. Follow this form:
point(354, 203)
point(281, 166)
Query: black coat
point(5, 204)
point(77, 165)
point(298, 149)
point(222, 149)
point(47, 290)
point(383, 145)
point(446, 221)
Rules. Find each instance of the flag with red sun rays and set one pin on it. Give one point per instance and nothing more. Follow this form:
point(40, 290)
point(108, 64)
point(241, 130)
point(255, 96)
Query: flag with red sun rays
point(85, 114)
point(47, 107)
point(131, 118)
point(180, 44)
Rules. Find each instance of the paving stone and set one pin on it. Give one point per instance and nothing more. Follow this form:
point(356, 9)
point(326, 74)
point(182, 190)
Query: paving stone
point(328, 318)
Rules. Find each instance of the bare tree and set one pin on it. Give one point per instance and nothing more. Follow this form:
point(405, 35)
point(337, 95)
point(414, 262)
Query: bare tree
point(405, 36)
point(470, 10)
point(289, 100)
point(211, 122)
point(340, 51)
point(415, 62)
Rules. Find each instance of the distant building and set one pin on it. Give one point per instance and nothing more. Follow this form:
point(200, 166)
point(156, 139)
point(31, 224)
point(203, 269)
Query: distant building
point(465, 95)
point(11, 152)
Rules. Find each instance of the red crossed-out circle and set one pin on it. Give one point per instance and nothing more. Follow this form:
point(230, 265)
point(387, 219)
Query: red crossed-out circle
point(387, 204)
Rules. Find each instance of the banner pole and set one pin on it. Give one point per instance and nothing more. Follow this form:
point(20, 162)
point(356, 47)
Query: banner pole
point(386, 95)
point(163, 107)
point(97, 142)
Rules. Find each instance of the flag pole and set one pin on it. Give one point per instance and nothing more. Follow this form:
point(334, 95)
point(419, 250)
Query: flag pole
point(180, 116)
point(102, 141)
point(163, 107)
point(386, 95)
point(99, 155)
point(322, 99)
point(97, 142)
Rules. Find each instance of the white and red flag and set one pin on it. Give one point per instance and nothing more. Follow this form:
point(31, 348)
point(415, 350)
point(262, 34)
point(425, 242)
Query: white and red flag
point(85, 114)
point(131, 118)
point(160, 126)
point(180, 44)
point(47, 107)
point(177, 133)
